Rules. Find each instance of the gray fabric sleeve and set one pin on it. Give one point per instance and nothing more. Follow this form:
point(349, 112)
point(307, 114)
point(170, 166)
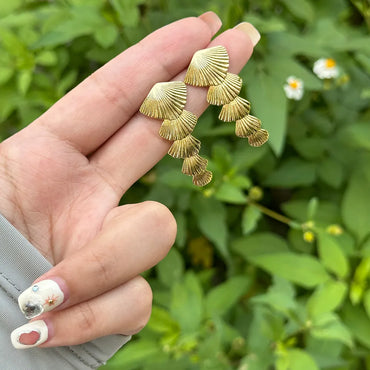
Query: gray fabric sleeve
point(20, 265)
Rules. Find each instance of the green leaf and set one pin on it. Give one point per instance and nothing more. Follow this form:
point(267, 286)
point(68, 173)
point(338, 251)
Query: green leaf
point(366, 300)
point(280, 296)
point(171, 269)
point(210, 215)
point(262, 90)
point(328, 326)
point(24, 80)
point(181, 235)
point(106, 35)
point(358, 134)
point(302, 270)
point(332, 255)
point(266, 327)
point(5, 74)
point(358, 322)
point(327, 297)
point(127, 11)
point(259, 244)
point(251, 216)
point(162, 322)
point(187, 303)
point(221, 298)
point(135, 352)
point(230, 194)
point(331, 172)
point(355, 210)
point(299, 359)
point(47, 58)
point(301, 9)
point(293, 172)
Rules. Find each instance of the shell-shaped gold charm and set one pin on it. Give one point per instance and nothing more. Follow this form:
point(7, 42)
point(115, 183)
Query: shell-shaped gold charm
point(226, 91)
point(203, 178)
point(208, 67)
point(247, 126)
point(184, 148)
point(194, 165)
point(166, 100)
point(258, 138)
point(235, 110)
point(178, 128)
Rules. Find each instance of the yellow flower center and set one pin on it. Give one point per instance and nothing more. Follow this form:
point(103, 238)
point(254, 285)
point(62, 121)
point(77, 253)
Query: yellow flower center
point(330, 63)
point(293, 84)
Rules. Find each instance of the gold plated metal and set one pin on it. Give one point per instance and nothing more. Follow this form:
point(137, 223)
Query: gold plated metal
point(236, 109)
point(208, 67)
point(247, 126)
point(184, 148)
point(258, 138)
point(178, 128)
point(202, 179)
point(226, 91)
point(194, 165)
point(166, 100)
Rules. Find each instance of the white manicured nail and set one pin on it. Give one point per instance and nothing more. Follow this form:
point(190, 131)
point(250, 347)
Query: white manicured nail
point(41, 297)
point(30, 335)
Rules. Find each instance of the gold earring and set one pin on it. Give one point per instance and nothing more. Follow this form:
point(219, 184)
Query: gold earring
point(209, 67)
point(166, 100)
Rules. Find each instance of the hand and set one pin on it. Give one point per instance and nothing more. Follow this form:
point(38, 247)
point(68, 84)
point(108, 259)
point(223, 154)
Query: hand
point(62, 177)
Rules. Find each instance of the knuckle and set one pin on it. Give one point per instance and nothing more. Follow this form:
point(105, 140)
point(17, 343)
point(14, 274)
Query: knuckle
point(86, 318)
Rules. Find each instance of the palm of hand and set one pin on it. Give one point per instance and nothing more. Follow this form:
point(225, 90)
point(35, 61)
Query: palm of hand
point(55, 197)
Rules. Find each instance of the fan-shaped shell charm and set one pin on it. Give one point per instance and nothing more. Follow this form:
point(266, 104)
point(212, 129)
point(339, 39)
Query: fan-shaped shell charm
point(203, 178)
point(194, 165)
point(166, 100)
point(178, 128)
point(226, 91)
point(247, 126)
point(235, 110)
point(258, 138)
point(184, 148)
point(208, 67)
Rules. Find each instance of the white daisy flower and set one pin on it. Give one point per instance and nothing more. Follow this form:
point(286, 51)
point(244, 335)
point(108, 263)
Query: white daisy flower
point(326, 68)
point(294, 88)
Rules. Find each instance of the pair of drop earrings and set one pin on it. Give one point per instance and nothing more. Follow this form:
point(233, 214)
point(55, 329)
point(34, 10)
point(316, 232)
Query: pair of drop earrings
point(166, 100)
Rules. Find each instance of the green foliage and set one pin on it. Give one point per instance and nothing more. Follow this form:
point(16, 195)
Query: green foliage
point(271, 264)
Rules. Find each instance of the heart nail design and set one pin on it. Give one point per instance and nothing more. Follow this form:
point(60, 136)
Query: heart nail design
point(30, 335)
point(30, 338)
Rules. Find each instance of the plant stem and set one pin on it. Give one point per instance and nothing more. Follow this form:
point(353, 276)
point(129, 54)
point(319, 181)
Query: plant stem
point(275, 215)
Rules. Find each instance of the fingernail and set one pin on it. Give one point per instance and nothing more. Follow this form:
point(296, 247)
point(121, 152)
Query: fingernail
point(41, 297)
point(213, 21)
point(249, 30)
point(30, 335)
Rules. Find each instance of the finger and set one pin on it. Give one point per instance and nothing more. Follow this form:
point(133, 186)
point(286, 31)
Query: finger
point(138, 146)
point(124, 310)
point(133, 239)
point(89, 114)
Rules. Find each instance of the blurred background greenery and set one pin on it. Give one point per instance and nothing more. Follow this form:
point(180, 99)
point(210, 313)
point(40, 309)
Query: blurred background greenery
point(271, 265)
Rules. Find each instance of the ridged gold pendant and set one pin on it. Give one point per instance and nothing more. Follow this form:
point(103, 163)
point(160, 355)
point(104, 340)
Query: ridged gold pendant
point(184, 148)
point(166, 100)
point(226, 91)
point(258, 138)
point(247, 126)
point(236, 109)
point(194, 165)
point(208, 67)
point(203, 178)
point(178, 128)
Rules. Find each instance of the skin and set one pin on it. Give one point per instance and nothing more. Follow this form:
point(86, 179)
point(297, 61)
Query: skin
point(61, 179)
